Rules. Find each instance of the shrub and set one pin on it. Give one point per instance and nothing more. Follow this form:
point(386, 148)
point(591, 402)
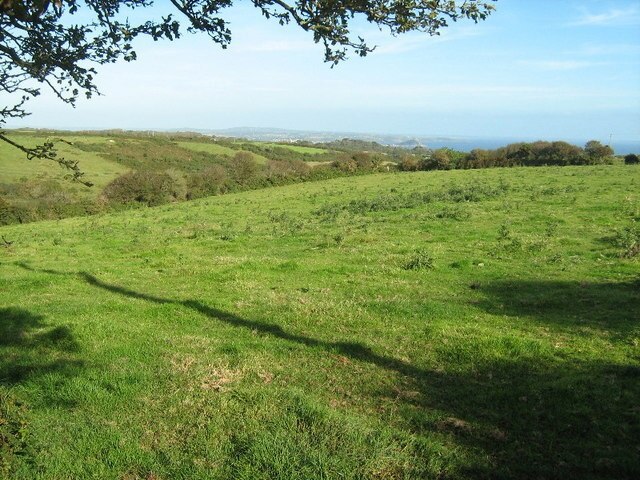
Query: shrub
point(285, 223)
point(41, 199)
point(409, 163)
point(454, 213)
point(345, 163)
point(8, 213)
point(366, 161)
point(149, 188)
point(631, 159)
point(211, 181)
point(178, 184)
point(554, 153)
point(244, 169)
point(596, 152)
point(533, 154)
point(478, 158)
point(439, 160)
point(282, 171)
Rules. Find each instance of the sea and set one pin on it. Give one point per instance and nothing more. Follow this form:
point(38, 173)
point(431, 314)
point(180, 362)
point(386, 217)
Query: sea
point(466, 144)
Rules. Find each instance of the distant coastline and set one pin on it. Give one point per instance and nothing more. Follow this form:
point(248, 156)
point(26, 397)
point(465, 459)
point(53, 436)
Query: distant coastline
point(621, 146)
point(461, 143)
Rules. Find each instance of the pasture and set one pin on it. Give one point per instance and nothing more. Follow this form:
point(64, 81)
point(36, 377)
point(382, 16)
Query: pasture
point(452, 324)
point(14, 166)
point(217, 149)
point(296, 148)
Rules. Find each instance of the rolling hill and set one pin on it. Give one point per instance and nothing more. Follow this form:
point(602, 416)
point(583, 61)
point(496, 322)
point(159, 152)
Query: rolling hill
point(460, 324)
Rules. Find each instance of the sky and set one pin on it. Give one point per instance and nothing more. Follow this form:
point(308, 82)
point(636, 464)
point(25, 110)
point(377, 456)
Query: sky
point(544, 69)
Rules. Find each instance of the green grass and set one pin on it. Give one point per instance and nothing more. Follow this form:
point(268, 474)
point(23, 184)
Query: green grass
point(14, 165)
point(149, 153)
point(218, 150)
point(296, 148)
point(208, 148)
point(462, 324)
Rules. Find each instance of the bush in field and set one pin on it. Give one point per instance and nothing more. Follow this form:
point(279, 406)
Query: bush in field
point(178, 184)
point(43, 189)
point(554, 153)
point(211, 181)
point(478, 158)
point(515, 154)
point(283, 171)
point(32, 210)
point(631, 159)
point(323, 172)
point(596, 152)
point(358, 162)
point(367, 161)
point(456, 158)
point(299, 168)
point(438, 160)
point(8, 213)
point(345, 163)
point(36, 199)
point(409, 163)
point(149, 188)
point(244, 169)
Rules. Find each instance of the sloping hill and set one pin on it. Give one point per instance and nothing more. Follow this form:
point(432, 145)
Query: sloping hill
point(14, 166)
point(463, 324)
point(129, 168)
point(217, 149)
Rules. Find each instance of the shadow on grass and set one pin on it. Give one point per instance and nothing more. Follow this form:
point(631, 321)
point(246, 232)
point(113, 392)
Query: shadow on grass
point(532, 417)
point(536, 418)
point(30, 348)
point(609, 307)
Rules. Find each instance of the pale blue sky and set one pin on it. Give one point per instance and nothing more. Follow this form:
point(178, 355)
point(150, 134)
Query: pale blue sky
point(550, 69)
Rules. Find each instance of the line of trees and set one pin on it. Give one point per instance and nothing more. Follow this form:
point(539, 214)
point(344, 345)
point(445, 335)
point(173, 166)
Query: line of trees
point(538, 153)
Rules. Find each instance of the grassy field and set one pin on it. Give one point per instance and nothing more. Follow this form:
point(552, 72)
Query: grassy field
point(218, 150)
point(296, 148)
point(461, 324)
point(208, 148)
point(14, 165)
point(149, 168)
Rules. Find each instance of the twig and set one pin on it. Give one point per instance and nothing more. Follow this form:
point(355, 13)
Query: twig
point(47, 151)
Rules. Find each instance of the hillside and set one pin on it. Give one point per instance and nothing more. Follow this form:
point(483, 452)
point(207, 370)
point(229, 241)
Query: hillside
point(450, 324)
point(104, 155)
point(14, 166)
point(147, 167)
point(132, 169)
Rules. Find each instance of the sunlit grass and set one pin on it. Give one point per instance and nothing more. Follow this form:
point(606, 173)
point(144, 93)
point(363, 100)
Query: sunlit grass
point(217, 149)
point(280, 333)
point(15, 166)
point(296, 148)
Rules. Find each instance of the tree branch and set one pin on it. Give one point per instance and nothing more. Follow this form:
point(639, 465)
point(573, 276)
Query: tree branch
point(47, 151)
